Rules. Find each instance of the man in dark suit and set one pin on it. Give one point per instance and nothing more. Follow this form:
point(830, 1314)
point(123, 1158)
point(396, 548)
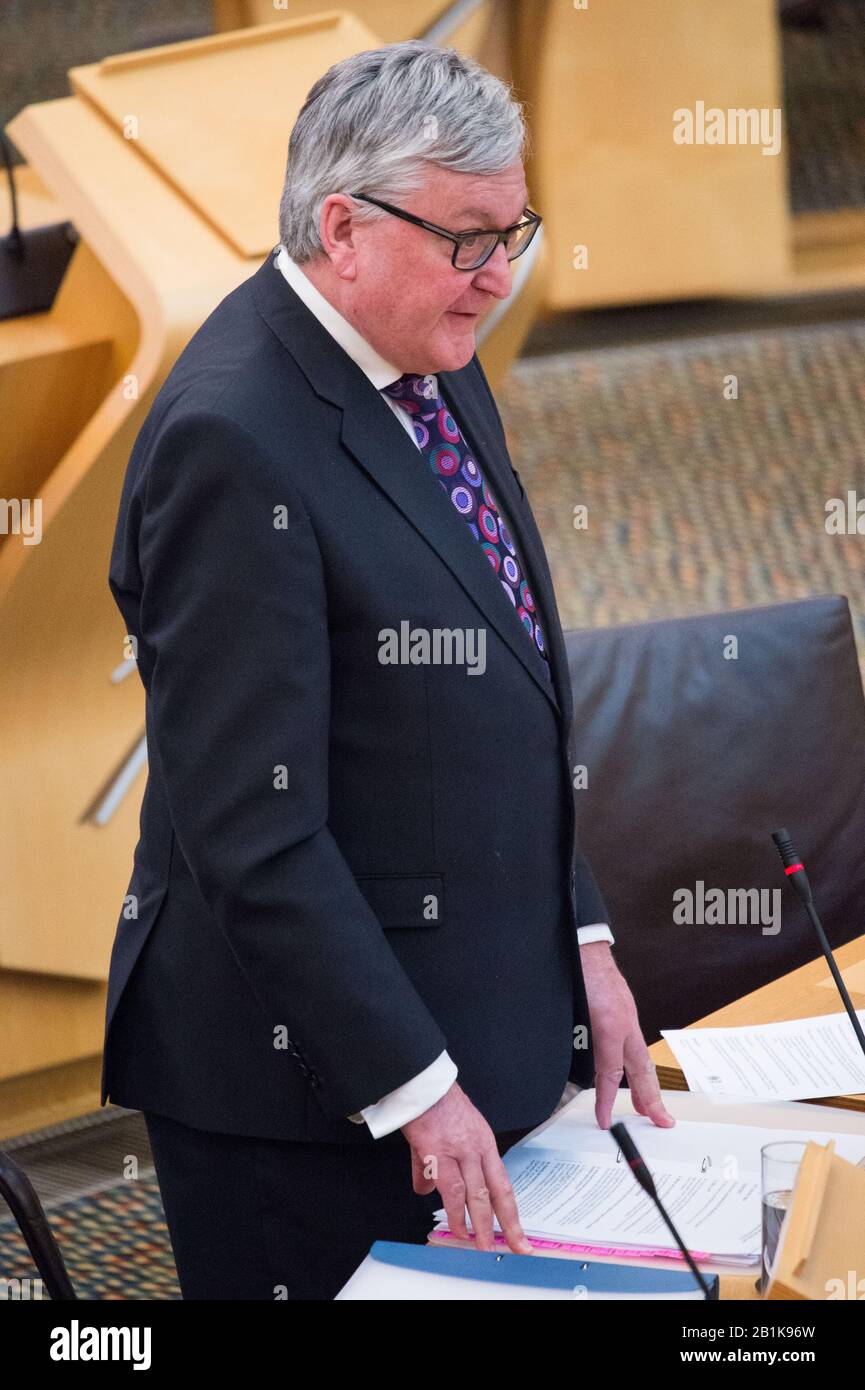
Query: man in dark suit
point(357, 875)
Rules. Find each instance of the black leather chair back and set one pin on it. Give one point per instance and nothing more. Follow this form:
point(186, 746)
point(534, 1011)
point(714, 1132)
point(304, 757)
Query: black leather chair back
point(700, 736)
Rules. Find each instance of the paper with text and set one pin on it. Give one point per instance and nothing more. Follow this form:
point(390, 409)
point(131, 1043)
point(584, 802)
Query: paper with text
point(799, 1059)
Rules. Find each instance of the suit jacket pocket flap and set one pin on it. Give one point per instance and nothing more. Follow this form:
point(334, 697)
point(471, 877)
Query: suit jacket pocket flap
point(404, 900)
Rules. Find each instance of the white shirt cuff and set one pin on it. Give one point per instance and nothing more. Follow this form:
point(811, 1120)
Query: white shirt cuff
point(597, 931)
point(409, 1100)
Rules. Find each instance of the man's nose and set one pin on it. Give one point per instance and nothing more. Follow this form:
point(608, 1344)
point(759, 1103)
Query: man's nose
point(495, 277)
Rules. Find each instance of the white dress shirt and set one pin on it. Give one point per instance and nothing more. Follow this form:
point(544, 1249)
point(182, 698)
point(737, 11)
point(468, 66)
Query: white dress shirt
point(411, 1099)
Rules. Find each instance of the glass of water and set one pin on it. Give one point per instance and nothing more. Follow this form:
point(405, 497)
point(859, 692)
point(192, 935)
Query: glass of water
point(779, 1166)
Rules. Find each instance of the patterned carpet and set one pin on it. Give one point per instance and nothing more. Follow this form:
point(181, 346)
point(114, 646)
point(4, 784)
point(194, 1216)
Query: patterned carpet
point(695, 503)
point(114, 1244)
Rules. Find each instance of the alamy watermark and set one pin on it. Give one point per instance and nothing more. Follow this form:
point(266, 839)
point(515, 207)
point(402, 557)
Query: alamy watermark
point(15, 518)
point(845, 517)
point(719, 907)
point(20, 1290)
point(738, 125)
point(437, 646)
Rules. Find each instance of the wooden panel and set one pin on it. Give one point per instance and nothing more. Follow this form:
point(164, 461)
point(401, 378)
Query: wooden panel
point(49, 1097)
point(484, 34)
point(214, 114)
point(32, 389)
point(47, 1022)
point(55, 370)
point(37, 205)
point(64, 727)
point(660, 220)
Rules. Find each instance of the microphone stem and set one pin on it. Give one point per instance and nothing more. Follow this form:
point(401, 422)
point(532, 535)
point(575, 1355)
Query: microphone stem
point(685, 1251)
point(836, 974)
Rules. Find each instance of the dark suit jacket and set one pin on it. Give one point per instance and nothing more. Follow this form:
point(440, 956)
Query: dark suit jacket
point(309, 939)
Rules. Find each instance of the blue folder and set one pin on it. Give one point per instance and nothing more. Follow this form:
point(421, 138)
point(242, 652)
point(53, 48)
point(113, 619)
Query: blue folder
point(541, 1272)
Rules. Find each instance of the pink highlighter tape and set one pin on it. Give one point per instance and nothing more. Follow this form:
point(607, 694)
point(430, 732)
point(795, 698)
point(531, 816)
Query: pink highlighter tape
point(652, 1253)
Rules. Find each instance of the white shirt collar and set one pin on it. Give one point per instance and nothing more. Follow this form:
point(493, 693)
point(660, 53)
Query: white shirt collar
point(380, 372)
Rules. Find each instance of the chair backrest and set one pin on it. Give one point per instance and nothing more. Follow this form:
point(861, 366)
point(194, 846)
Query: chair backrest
point(700, 736)
point(18, 1193)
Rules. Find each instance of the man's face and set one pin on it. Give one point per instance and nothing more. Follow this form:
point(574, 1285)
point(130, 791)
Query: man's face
point(395, 283)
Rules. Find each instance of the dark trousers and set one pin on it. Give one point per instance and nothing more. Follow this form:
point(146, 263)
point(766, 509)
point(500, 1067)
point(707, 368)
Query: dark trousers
point(269, 1219)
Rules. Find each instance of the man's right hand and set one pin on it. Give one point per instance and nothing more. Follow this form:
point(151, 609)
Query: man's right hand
point(454, 1141)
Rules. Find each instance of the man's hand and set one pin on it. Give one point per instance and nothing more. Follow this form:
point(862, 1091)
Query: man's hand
point(453, 1139)
point(617, 1040)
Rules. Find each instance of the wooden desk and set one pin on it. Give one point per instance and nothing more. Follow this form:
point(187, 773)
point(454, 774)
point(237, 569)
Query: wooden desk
point(804, 993)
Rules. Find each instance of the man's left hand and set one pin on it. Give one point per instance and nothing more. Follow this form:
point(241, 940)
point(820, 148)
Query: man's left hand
point(617, 1040)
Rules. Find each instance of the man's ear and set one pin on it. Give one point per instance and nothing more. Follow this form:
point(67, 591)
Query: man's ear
point(337, 234)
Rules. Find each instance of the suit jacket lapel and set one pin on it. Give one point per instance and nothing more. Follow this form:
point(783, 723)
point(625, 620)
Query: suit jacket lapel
point(383, 449)
point(456, 388)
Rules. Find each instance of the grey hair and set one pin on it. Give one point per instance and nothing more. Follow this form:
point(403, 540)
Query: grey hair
point(372, 123)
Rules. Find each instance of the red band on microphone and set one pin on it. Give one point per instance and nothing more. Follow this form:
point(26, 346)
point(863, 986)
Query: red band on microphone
point(793, 868)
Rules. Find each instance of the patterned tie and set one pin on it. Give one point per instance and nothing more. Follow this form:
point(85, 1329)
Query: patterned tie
point(459, 473)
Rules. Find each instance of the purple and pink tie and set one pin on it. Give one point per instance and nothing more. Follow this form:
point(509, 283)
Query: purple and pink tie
point(459, 473)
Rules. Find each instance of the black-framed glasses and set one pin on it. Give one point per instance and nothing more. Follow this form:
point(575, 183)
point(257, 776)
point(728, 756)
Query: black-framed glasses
point(471, 249)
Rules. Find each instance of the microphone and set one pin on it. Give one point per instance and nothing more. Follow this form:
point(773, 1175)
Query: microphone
point(636, 1163)
point(795, 871)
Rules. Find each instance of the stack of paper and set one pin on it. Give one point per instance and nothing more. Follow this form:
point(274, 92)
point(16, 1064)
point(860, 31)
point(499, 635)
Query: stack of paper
point(572, 1185)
